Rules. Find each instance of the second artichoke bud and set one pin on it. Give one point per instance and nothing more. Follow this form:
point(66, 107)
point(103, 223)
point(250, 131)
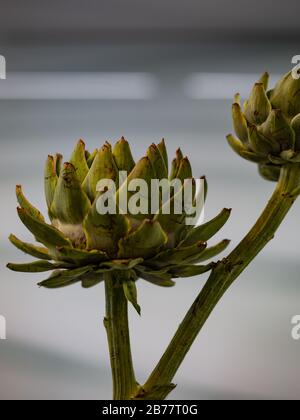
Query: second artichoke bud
point(268, 125)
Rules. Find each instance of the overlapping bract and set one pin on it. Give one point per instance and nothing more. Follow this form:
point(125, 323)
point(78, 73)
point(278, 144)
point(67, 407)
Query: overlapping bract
point(268, 125)
point(81, 245)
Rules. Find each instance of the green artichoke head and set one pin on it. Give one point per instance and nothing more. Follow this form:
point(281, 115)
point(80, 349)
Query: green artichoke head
point(80, 244)
point(268, 125)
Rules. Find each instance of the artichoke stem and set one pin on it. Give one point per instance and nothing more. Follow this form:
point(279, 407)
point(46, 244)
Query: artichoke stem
point(116, 324)
point(223, 275)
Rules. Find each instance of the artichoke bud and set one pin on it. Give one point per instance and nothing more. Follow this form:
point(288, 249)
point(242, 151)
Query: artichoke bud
point(258, 105)
point(106, 227)
point(277, 129)
point(286, 95)
point(122, 155)
point(272, 121)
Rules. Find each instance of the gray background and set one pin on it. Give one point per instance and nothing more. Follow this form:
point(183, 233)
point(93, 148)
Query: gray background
point(56, 345)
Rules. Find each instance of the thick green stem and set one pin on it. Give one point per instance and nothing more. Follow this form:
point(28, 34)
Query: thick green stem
point(223, 275)
point(116, 324)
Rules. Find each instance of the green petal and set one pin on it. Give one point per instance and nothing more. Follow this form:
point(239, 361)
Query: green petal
point(79, 162)
point(119, 264)
point(286, 95)
point(277, 129)
point(103, 231)
point(44, 233)
point(158, 278)
point(25, 204)
point(80, 256)
point(130, 293)
point(33, 267)
point(143, 170)
point(172, 224)
point(70, 203)
point(261, 144)
point(175, 164)
point(259, 106)
point(157, 162)
point(122, 155)
point(103, 167)
point(239, 123)
point(58, 163)
point(236, 144)
point(184, 170)
point(163, 151)
point(91, 157)
point(178, 255)
point(143, 242)
point(264, 79)
point(50, 180)
point(35, 251)
point(207, 230)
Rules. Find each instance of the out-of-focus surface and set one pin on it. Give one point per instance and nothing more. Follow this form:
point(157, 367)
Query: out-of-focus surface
point(56, 345)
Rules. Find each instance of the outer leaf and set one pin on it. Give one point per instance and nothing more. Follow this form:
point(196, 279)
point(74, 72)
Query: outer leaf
point(121, 264)
point(35, 251)
point(207, 230)
point(81, 256)
point(211, 251)
point(25, 204)
point(178, 255)
point(61, 278)
point(33, 267)
point(44, 233)
point(190, 270)
point(159, 278)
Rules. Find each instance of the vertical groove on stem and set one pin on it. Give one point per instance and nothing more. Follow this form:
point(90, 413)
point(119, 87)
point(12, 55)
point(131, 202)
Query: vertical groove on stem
point(116, 324)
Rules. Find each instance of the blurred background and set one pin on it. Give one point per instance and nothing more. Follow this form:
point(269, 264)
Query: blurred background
point(98, 70)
